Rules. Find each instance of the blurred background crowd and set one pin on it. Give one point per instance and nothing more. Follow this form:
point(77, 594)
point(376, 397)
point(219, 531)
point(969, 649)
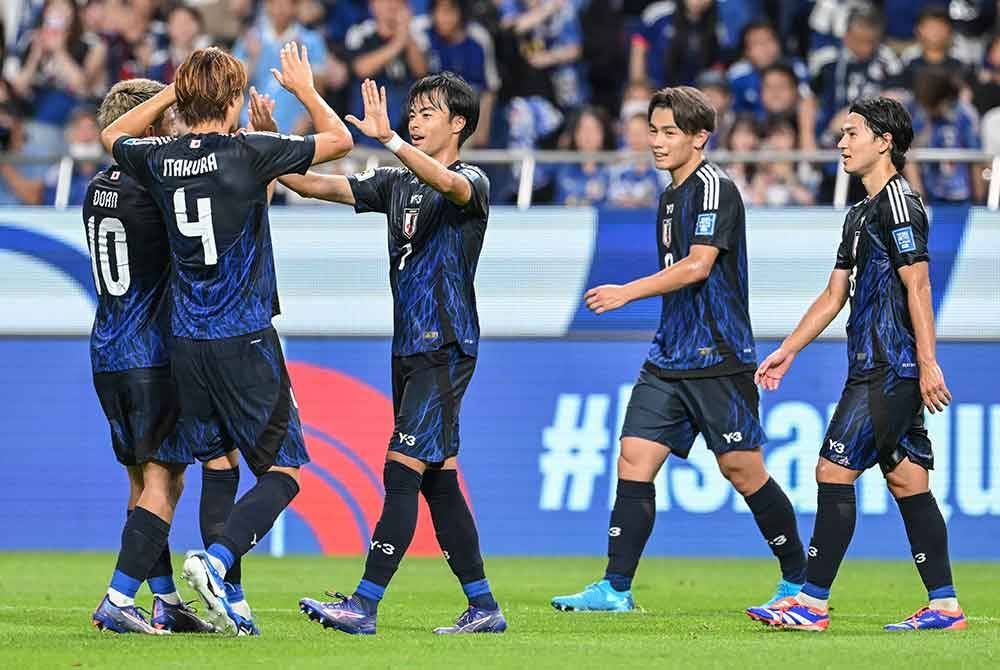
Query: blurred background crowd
point(551, 74)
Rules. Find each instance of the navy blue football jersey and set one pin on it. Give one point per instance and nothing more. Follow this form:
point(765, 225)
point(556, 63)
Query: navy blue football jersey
point(705, 328)
point(434, 248)
point(130, 259)
point(882, 234)
point(212, 191)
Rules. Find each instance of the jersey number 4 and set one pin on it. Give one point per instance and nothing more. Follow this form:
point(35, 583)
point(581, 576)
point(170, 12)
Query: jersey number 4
point(97, 240)
point(201, 228)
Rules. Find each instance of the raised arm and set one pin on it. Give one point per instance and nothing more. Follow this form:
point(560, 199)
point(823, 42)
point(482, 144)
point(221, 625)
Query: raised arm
point(448, 183)
point(918, 301)
point(820, 314)
point(134, 122)
point(332, 139)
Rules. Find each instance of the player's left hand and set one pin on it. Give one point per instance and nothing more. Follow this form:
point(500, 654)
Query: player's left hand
point(933, 390)
point(376, 122)
point(606, 298)
point(296, 73)
point(262, 112)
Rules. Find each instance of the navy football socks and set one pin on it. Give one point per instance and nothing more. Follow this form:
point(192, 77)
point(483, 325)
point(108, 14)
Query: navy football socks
point(928, 537)
point(631, 525)
point(218, 497)
point(775, 517)
point(836, 515)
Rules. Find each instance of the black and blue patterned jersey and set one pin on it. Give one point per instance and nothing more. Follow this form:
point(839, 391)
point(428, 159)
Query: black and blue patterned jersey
point(881, 234)
point(704, 328)
point(130, 259)
point(212, 191)
point(434, 248)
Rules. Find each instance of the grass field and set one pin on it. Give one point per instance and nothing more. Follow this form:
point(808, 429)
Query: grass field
point(692, 618)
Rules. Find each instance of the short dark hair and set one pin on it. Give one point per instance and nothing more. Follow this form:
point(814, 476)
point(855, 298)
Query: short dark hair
point(461, 5)
point(691, 108)
point(933, 13)
point(602, 118)
point(885, 115)
point(757, 24)
point(868, 16)
point(193, 12)
point(454, 92)
point(781, 68)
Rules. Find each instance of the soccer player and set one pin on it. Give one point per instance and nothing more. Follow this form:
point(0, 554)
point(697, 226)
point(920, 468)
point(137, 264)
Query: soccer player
point(893, 374)
point(211, 187)
point(436, 207)
point(128, 353)
point(698, 377)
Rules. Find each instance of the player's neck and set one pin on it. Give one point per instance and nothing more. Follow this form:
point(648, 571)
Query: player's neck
point(879, 176)
point(210, 127)
point(679, 174)
point(446, 156)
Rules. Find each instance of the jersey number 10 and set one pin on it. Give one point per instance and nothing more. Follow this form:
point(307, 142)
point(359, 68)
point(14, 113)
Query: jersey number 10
point(201, 228)
point(97, 240)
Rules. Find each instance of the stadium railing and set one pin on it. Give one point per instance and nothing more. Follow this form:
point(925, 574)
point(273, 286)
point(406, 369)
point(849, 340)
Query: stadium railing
point(527, 161)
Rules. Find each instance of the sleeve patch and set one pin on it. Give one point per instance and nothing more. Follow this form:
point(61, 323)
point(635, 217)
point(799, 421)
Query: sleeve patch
point(904, 239)
point(706, 225)
point(367, 174)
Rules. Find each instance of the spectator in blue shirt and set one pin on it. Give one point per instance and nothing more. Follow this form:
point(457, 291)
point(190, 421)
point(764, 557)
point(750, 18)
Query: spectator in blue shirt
point(716, 88)
point(675, 42)
point(582, 184)
point(935, 47)
point(385, 48)
point(186, 32)
point(456, 44)
point(549, 37)
point(781, 97)
point(942, 121)
point(260, 49)
point(760, 49)
point(633, 181)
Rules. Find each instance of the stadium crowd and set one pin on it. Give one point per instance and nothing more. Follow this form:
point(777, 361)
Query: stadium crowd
point(570, 74)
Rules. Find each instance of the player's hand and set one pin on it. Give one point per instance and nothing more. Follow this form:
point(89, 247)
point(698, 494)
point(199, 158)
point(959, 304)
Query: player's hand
point(606, 298)
point(376, 122)
point(262, 112)
point(773, 368)
point(296, 74)
point(932, 387)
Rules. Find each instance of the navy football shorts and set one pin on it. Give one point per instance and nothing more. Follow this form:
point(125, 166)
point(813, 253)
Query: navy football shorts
point(427, 392)
point(672, 412)
point(236, 393)
point(879, 419)
point(141, 407)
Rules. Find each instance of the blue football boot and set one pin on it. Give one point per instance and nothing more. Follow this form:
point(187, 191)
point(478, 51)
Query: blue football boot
point(475, 620)
point(790, 614)
point(177, 618)
point(238, 603)
point(347, 614)
point(598, 597)
point(785, 589)
point(204, 577)
point(927, 619)
point(129, 619)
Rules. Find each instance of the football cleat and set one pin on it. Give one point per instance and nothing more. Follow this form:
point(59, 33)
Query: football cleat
point(202, 576)
point(177, 618)
point(347, 614)
point(242, 608)
point(129, 619)
point(927, 619)
point(791, 614)
point(597, 597)
point(475, 620)
point(785, 589)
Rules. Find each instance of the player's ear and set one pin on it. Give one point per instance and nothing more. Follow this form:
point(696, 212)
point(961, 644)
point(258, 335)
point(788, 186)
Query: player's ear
point(701, 139)
point(457, 124)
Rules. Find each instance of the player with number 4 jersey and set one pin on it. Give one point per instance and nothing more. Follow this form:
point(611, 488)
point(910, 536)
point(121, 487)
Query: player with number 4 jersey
point(211, 185)
point(698, 375)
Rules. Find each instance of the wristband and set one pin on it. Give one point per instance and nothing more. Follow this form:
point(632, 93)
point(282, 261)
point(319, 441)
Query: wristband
point(394, 144)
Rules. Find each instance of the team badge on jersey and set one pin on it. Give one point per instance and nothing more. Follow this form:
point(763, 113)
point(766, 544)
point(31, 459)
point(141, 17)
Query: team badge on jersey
point(705, 224)
point(666, 231)
point(904, 240)
point(115, 175)
point(410, 221)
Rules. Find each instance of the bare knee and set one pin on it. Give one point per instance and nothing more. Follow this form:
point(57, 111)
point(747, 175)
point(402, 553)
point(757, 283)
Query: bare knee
point(828, 472)
point(907, 479)
point(227, 461)
point(745, 470)
point(640, 459)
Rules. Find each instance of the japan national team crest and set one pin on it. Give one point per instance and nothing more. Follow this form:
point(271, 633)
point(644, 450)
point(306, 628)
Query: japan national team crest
point(666, 231)
point(410, 221)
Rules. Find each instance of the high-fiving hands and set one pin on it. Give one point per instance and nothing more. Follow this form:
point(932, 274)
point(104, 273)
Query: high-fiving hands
point(262, 112)
point(376, 122)
point(296, 73)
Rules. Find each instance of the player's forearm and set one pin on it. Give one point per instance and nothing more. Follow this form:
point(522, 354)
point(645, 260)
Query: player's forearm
point(920, 306)
point(448, 183)
point(333, 139)
point(685, 272)
point(28, 191)
point(816, 319)
point(562, 55)
point(334, 188)
point(133, 122)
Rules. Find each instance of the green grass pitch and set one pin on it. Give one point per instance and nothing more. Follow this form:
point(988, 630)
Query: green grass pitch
point(692, 618)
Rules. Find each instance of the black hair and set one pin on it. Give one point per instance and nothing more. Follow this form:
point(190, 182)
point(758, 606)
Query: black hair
point(692, 110)
point(885, 115)
point(193, 12)
point(448, 89)
point(608, 136)
point(783, 68)
point(935, 85)
point(461, 5)
point(933, 12)
point(868, 16)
